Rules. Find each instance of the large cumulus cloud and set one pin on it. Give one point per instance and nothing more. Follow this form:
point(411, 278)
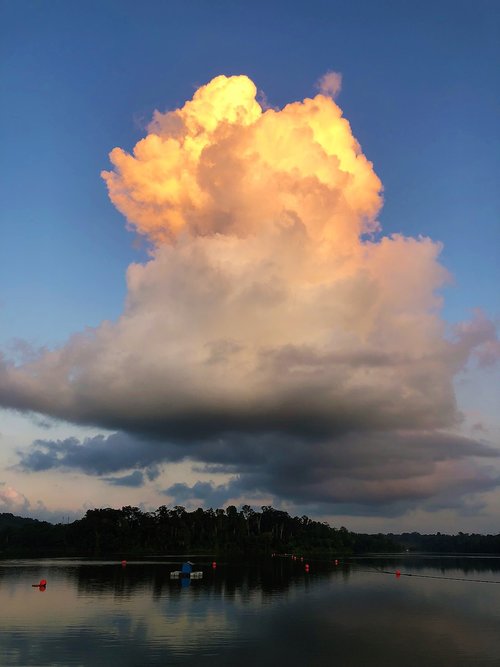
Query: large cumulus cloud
point(270, 311)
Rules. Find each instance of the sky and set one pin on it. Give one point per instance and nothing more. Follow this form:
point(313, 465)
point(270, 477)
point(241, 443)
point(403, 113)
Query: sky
point(249, 254)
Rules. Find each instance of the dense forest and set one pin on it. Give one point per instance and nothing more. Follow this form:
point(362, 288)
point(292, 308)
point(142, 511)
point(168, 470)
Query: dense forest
point(463, 543)
point(130, 531)
point(174, 530)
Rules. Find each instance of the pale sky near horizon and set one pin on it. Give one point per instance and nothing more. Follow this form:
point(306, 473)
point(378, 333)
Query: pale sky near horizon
point(278, 340)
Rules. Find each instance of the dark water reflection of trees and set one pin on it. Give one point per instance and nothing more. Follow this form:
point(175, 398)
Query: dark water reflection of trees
point(228, 579)
point(269, 577)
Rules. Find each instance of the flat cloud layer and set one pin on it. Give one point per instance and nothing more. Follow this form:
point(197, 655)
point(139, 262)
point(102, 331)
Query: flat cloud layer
point(269, 312)
point(356, 470)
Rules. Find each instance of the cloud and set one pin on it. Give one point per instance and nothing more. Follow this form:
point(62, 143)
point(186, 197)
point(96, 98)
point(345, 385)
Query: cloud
point(354, 472)
point(12, 500)
point(220, 165)
point(330, 84)
point(135, 479)
point(98, 455)
point(272, 323)
point(202, 493)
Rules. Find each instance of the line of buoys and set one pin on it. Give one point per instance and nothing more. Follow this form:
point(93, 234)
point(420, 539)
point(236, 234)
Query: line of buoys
point(414, 575)
point(397, 573)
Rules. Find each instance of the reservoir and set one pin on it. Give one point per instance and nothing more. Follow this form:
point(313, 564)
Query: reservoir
point(359, 612)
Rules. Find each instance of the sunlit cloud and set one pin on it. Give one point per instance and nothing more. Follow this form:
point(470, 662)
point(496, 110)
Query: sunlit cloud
point(12, 500)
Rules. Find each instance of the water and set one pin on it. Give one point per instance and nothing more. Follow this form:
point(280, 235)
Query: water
point(263, 613)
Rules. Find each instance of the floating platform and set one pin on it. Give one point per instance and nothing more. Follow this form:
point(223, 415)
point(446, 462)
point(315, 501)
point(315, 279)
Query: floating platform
point(177, 574)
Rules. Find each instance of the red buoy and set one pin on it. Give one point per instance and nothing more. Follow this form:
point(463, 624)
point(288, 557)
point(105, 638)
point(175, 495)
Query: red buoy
point(214, 565)
point(336, 562)
point(398, 573)
point(43, 582)
point(124, 562)
point(307, 568)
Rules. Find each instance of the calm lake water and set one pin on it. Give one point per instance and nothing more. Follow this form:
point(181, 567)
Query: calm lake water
point(264, 613)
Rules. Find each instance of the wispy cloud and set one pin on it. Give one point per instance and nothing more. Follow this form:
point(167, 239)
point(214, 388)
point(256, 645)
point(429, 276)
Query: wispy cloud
point(330, 84)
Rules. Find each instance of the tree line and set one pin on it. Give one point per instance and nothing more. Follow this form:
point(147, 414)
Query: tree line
point(130, 530)
point(463, 543)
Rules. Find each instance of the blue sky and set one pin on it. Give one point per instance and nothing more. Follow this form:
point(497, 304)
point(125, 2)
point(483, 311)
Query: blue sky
point(420, 90)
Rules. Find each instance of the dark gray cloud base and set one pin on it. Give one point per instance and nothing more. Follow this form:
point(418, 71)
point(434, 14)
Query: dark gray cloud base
point(355, 472)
